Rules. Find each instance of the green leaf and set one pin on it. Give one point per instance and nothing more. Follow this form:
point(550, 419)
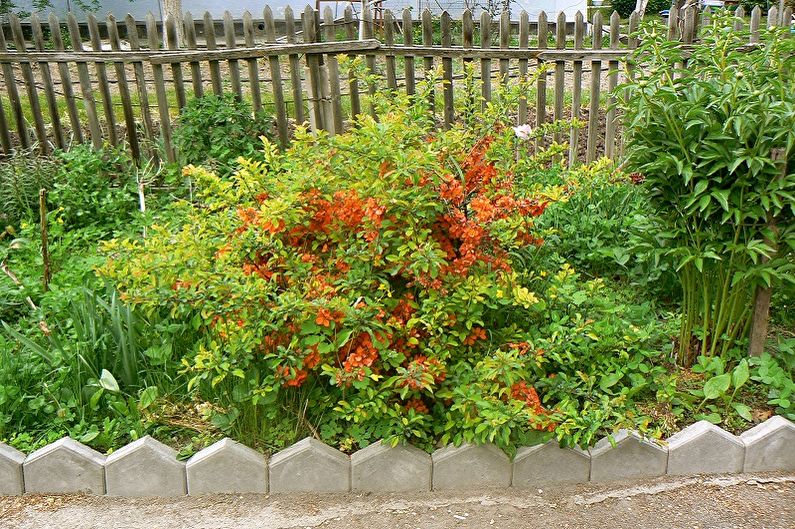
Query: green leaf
point(108, 382)
point(610, 380)
point(717, 386)
point(713, 417)
point(700, 187)
point(743, 411)
point(722, 196)
point(89, 436)
point(740, 374)
point(148, 396)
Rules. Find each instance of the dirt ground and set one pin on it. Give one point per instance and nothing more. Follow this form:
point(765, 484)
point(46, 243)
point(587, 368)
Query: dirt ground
point(763, 501)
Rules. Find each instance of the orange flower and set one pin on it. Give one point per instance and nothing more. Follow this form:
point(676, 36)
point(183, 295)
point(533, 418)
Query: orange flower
point(312, 359)
point(417, 405)
point(477, 333)
point(323, 318)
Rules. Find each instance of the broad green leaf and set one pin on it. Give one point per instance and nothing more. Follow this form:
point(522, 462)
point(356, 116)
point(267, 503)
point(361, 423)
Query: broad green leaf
point(108, 382)
point(717, 386)
point(740, 374)
point(743, 411)
point(148, 397)
point(610, 380)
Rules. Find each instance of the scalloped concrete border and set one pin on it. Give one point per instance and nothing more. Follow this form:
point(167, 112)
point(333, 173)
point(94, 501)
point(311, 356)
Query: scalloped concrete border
point(149, 468)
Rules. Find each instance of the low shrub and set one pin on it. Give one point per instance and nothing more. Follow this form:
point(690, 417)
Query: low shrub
point(94, 187)
point(379, 284)
point(215, 130)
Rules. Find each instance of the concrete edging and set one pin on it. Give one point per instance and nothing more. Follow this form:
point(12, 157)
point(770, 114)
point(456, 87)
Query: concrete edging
point(147, 467)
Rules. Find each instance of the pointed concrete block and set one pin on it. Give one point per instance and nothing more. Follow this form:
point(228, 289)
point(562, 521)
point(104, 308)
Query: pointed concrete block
point(11, 460)
point(145, 467)
point(549, 463)
point(703, 448)
point(470, 467)
point(310, 466)
point(227, 467)
point(383, 468)
point(632, 457)
point(65, 466)
point(770, 446)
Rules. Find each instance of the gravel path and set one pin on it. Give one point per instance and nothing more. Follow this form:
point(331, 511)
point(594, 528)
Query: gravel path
point(764, 501)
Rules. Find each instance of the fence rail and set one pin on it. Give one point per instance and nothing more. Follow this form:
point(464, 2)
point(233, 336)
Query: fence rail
point(65, 83)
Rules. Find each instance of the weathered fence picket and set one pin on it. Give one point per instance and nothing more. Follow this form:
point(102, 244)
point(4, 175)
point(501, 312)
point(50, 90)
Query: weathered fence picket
point(86, 90)
point(160, 90)
point(66, 80)
point(408, 41)
point(172, 43)
point(485, 62)
point(524, 42)
point(102, 78)
point(124, 89)
point(447, 72)
point(253, 67)
point(576, 91)
point(541, 93)
point(215, 66)
point(276, 80)
point(30, 86)
point(140, 82)
point(195, 67)
point(47, 82)
point(296, 75)
point(596, 85)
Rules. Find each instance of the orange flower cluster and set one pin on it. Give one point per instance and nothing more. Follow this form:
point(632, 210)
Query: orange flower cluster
point(476, 202)
point(291, 377)
point(528, 394)
point(415, 376)
point(362, 353)
point(478, 333)
point(417, 405)
point(521, 391)
point(325, 317)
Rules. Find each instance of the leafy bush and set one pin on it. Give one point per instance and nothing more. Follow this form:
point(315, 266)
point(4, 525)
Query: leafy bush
point(704, 137)
point(602, 229)
point(655, 6)
point(215, 130)
point(22, 176)
point(623, 7)
point(94, 187)
point(378, 284)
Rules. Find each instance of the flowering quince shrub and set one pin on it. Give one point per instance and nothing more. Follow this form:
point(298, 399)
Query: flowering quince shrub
point(370, 285)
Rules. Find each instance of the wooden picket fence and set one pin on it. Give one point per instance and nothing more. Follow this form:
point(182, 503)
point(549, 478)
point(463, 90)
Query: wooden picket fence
point(74, 94)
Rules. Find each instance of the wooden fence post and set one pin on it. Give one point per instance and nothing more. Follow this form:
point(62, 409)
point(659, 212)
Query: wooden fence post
point(761, 315)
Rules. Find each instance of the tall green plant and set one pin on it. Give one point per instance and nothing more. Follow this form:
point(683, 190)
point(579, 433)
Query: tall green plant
point(703, 129)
